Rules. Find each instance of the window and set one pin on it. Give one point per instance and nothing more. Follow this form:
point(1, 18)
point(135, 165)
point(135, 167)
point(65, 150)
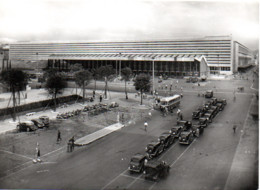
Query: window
point(225, 68)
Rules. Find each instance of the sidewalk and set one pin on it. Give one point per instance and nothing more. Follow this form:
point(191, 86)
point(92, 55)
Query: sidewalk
point(244, 169)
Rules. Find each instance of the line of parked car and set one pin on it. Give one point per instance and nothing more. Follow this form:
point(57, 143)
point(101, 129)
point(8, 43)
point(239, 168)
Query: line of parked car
point(34, 124)
point(184, 131)
point(91, 109)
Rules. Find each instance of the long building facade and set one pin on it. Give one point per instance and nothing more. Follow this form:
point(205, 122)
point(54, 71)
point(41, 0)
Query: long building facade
point(182, 57)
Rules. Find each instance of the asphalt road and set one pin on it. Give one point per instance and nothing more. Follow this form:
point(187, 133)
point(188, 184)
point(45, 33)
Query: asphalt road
point(205, 164)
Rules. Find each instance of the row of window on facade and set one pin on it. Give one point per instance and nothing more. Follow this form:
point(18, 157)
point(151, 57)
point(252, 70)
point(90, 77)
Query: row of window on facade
point(219, 68)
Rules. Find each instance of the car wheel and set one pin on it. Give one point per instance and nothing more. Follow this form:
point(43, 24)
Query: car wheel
point(27, 129)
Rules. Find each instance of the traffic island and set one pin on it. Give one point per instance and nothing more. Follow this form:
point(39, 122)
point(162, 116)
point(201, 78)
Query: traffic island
point(98, 134)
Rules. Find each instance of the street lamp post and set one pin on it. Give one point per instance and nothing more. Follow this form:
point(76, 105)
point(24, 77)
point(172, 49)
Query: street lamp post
point(120, 64)
point(37, 62)
point(153, 75)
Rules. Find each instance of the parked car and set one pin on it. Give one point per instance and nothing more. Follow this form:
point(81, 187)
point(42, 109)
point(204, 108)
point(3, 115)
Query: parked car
point(45, 120)
point(203, 121)
point(137, 163)
point(38, 123)
point(155, 170)
point(198, 113)
point(220, 106)
point(214, 101)
point(207, 105)
point(209, 94)
point(26, 126)
point(224, 101)
point(176, 131)
point(209, 115)
point(167, 138)
point(186, 124)
point(154, 149)
point(194, 79)
point(197, 130)
point(186, 137)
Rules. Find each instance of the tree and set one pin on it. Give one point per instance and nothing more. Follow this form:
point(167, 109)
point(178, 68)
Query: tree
point(126, 73)
point(75, 67)
point(143, 84)
point(54, 85)
point(16, 80)
point(95, 77)
point(105, 72)
point(82, 78)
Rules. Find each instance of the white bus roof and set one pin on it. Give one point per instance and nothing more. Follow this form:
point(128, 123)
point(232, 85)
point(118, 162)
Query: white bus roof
point(166, 99)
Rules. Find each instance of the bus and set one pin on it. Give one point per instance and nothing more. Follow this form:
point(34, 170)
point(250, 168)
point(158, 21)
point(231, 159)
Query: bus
point(170, 102)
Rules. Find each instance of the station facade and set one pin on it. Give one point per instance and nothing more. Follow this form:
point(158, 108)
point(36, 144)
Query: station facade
point(182, 57)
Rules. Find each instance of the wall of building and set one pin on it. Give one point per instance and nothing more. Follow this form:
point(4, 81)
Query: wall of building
point(217, 50)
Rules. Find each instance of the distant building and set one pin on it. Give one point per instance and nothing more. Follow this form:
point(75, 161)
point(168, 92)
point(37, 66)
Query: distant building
point(4, 57)
point(182, 57)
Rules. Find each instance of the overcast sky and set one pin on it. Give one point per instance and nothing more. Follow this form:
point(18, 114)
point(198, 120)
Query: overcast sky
point(69, 20)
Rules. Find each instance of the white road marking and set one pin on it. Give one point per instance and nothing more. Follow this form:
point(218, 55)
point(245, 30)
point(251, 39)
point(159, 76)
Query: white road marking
point(130, 184)
point(113, 180)
point(132, 177)
point(53, 151)
point(175, 161)
point(168, 150)
point(42, 171)
point(182, 153)
point(20, 155)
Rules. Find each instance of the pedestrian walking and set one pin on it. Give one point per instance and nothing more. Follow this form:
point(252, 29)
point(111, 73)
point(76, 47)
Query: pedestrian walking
point(58, 136)
point(100, 98)
point(145, 125)
point(234, 128)
point(72, 140)
point(94, 93)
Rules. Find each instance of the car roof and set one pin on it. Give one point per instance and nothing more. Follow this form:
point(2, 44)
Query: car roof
point(152, 163)
point(138, 156)
point(186, 132)
point(165, 134)
point(153, 143)
point(27, 122)
point(209, 91)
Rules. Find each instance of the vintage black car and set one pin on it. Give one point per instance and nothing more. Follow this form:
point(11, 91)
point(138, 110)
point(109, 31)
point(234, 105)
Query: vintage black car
point(45, 120)
point(26, 126)
point(167, 138)
point(185, 124)
point(215, 110)
point(209, 94)
point(137, 163)
point(155, 170)
point(207, 105)
point(203, 121)
point(209, 115)
point(176, 131)
point(220, 105)
point(198, 113)
point(214, 101)
point(154, 149)
point(224, 101)
point(197, 130)
point(186, 137)
point(38, 123)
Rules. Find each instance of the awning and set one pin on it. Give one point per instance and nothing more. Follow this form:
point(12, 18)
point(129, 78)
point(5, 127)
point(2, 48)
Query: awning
point(134, 57)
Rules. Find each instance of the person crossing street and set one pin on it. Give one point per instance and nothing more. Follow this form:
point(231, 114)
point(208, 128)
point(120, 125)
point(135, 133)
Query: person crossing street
point(145, 125)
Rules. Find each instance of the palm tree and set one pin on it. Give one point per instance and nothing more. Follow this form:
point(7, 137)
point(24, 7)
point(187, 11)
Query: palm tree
point(126, 73)
point(83, 78)
point(17, 80)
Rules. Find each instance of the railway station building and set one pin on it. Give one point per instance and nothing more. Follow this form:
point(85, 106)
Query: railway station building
point(180, 57)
